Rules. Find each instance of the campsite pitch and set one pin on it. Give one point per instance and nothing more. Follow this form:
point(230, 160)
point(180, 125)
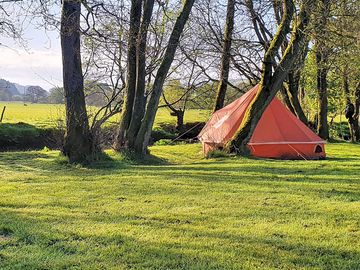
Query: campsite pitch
point(180, 211)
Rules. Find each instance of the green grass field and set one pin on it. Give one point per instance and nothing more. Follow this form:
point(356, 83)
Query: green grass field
point(48, 115)
point(180, 211)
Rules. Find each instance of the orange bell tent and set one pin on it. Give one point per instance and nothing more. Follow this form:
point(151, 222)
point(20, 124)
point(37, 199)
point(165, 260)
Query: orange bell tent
point(279, 134)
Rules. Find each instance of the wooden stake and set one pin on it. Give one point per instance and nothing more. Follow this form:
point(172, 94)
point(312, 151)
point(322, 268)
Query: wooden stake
point(2, 114)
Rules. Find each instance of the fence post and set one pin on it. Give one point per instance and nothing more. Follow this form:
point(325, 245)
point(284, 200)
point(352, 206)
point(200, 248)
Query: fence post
point(2, 114)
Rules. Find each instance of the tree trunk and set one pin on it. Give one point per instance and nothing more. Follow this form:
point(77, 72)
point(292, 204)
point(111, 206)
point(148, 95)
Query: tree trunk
point(225, 60)
point(272, 81)
point(140, 99)
point(143, 136)
point(345, 80)
point(78, 144)
point(294, 79)
point(125, 118)
point(286, 99)
point(292, 93)
point(351, 122)
point(302, 93)
point(322, 67)
point(323, 128)
point(180, 120)
point(353, 118)
point(357, 112)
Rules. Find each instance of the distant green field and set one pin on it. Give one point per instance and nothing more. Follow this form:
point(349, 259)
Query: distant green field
point(48, 115)
point(41, 115)
point(180, 211)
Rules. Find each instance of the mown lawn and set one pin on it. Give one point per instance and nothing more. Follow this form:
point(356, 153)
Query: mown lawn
point(49, 115)
point(180, 211)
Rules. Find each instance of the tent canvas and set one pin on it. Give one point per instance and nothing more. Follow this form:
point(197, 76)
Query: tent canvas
point(279, 133)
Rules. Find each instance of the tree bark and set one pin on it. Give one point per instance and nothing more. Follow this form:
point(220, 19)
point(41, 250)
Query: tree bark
point(345, 81)
point(357, 112)
point(294, 79)
point(125, 118)
point(272, 81)
point(286, 99)
point(322, 67)
point(351, 122)
point(225, 60)
point(179, 120)
point(323, 128)
point(292, 92)
point(140, 99)
point(143, 136)
point(353, 117)
point(78, 143)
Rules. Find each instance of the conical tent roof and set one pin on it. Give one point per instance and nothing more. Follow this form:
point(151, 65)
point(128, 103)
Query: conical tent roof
point(277, 126)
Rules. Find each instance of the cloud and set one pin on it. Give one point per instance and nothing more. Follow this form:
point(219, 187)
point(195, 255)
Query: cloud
point(40, 67)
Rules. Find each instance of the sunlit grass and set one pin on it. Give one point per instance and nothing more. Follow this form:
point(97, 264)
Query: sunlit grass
point(178, 210)
point(41, 115)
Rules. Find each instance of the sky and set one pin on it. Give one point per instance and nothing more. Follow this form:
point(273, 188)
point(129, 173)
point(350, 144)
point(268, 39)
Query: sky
point(36, 63)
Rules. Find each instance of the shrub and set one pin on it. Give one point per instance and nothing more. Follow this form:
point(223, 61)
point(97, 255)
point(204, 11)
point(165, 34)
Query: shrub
point(159, 134)
point(20, 134)
point(163, 142)
point(217, 154)
point(340, 130)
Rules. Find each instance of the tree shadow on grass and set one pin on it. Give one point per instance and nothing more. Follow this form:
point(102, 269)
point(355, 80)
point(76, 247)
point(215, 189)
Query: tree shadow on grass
point(33, 243)
point(343, 159)
point(16, 157)
point(246, 171)
point(45, 162)
point(264, 172)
